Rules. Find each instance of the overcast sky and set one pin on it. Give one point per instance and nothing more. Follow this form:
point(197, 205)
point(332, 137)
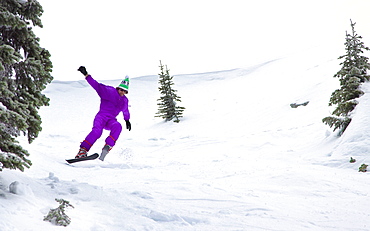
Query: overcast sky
point(114, 38)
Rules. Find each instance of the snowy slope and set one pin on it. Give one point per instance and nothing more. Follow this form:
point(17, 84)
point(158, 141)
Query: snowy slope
point(240, 159)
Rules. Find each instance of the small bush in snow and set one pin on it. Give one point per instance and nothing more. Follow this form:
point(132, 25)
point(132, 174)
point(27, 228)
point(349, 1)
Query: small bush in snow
point(57, 216)
point(295, 105)
point(363, 168)
point(352, 160)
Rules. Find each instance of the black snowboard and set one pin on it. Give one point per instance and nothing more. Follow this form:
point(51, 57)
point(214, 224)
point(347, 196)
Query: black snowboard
point(91, 157)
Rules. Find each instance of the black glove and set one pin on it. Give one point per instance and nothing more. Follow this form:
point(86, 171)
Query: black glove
point(128, 125)
point(82, 69)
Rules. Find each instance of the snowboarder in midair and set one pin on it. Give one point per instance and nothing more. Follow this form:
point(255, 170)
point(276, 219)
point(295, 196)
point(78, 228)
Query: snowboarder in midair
point(112, 102)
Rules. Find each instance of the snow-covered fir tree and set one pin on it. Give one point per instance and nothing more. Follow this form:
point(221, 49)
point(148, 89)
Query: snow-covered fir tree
point(24, 72)
point(352, 74)
point(168, 109)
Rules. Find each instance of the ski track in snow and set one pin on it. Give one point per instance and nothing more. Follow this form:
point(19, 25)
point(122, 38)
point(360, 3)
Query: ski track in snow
point(240, 159)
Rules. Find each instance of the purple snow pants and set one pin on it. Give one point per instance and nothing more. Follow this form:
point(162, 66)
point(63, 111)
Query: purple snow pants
point(103, 122)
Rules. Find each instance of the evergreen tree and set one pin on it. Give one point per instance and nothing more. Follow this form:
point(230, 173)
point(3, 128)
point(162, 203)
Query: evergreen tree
point(352, 74)
point(24, 72)
point(58, 216)
point(167, 105)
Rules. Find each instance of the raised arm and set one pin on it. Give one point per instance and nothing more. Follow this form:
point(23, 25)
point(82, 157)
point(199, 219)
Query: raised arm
point(89, 79)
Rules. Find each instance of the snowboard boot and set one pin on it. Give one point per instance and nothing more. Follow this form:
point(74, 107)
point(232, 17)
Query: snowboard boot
point(104, 152)
point(81, 153)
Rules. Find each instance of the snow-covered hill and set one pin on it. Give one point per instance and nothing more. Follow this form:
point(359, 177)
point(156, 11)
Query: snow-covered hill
point(240, 159)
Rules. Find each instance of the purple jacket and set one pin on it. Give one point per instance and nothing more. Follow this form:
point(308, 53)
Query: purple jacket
point(111, 103)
